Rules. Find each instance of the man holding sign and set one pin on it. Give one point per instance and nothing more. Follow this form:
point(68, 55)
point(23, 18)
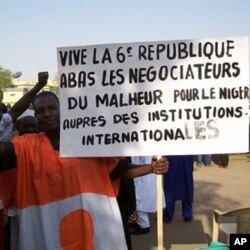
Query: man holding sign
point(64, 203)
point(154, 98)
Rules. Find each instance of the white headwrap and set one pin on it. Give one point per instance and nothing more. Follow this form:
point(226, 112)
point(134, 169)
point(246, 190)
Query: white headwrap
point(27, 112)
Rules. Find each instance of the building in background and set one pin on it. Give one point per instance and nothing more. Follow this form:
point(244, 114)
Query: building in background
point(12, 95)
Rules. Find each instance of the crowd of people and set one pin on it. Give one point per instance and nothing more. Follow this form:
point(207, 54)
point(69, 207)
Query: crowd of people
point(81, 203)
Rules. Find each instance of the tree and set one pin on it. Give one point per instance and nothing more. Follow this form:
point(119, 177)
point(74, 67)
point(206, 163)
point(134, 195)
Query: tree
point(5, 80)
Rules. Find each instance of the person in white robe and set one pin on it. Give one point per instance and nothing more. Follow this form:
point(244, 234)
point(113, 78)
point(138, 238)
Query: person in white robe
point(145, 191)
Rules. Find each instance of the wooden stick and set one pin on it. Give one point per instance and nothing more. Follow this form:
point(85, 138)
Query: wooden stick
point(159, 212)
point(159, 196)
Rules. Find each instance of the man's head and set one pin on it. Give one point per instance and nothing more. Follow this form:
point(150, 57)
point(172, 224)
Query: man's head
point(46, 106)
point(27, 123)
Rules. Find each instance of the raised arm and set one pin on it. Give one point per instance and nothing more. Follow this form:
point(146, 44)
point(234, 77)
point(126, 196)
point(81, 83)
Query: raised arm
point(23, 103)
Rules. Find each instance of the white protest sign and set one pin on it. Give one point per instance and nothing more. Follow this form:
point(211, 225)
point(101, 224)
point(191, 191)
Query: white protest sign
point(155, 98)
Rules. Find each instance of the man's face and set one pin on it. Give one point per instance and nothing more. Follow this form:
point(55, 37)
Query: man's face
point(47, 113)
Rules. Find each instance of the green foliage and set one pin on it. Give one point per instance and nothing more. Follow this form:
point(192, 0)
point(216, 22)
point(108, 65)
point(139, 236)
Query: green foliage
point(5, 78)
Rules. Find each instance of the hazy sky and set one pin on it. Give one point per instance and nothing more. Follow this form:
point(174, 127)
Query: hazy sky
point(31, 30)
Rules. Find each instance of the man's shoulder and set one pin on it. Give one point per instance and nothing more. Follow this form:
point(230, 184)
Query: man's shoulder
point(30, 138)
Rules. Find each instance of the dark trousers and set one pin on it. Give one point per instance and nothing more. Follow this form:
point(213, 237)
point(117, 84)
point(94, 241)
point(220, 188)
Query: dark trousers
point(187, 211)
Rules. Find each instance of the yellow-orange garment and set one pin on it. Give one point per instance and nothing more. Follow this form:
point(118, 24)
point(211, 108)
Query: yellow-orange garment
point(64, 203)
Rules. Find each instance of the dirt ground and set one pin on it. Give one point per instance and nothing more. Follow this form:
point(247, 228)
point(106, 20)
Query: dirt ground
point(224, 189)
